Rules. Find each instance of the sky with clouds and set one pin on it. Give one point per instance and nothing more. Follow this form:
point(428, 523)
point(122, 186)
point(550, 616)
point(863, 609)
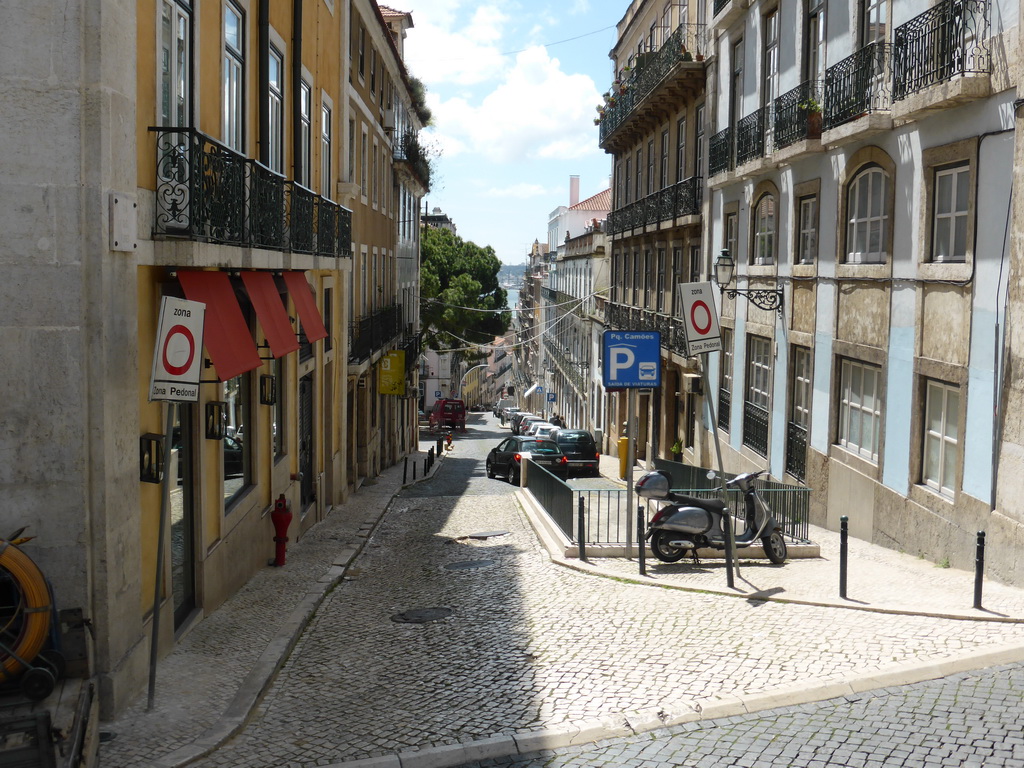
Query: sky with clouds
point(513, 88)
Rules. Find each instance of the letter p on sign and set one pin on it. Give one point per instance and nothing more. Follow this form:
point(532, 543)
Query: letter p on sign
point(620, 359)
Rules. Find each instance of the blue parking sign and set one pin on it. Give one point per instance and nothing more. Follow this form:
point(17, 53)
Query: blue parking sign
point(632, 359)
point(552, 397)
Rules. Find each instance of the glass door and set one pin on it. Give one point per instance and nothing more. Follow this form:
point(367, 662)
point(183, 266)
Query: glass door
point(181, 469)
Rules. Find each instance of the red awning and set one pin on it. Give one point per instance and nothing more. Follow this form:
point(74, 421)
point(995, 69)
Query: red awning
point(266, 300)
point(305, 305)
point(226, 335)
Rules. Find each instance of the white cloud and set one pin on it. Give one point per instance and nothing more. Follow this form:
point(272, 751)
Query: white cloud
point(537, 111)
point(442, 48)
point(522, 190)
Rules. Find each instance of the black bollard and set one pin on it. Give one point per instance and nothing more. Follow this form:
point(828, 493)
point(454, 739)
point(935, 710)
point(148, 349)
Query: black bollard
point(979, 569)
point(425, 468)
point(641, 540)
point(430, 457)
point(581, 531)
point(439, 447)
point(844, 535)
point(405, 470)
point(414, 471)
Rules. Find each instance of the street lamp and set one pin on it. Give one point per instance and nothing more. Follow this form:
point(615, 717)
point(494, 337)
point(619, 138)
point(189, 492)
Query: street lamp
point(463, 379)
point(762, 298)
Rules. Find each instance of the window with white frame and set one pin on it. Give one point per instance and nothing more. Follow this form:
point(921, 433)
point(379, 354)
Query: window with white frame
point(661, 280)
point(234, 78)
point(305, 133)
point(949, 230)
point(275, 111)
point(764, 231)
point(351, 151)
point(729, 236)
point(651, 159)
point(325, 151)
point(800, 405)
point(807, 242)
point(867, 218)
point(364, 161)
point(860, 408)
point(941, 436)
point(771, 58)
point(663, 176)
point(759, 372)
point(175, 48)
point(698, 143)
point(681, 148)
point(639, 174)
point(815, 40)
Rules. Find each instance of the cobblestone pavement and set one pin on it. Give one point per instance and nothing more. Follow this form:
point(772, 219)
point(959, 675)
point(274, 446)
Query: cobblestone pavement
point(970, 719)
point(529, 646)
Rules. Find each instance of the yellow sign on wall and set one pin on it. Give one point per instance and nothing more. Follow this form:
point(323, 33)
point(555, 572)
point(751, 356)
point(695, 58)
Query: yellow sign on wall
point(391, 377)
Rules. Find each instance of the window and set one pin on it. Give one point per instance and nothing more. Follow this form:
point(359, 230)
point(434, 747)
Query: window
point(764, 231)
point(663, 176)
point(949, 233)
point(698, 144)
point(325, 152)
point(647, 280)
point(694, 263)
point(627, 181)
point(736, 105)
point(636, 279)
point(373, 176)
point(277, 428)
point(650, 167)
point(275, 110)
point(626, 260)
point(874, 14)
point(677, 278)
point(807, 244)
point(771, 58)
point(175, 64)
point(362, 51)
point(725, 388)
point(303, 170)
point(236, 447)
point(373, 70)
point(234, 78)
point(364, 161)
point(681, 149)
point(660, 289)
point(867, 219)
point(941, 434)
point(860, 409)
point(815, 40)
point(799, 412)
point(758, 400)
point(729, 236)
point(639, 174)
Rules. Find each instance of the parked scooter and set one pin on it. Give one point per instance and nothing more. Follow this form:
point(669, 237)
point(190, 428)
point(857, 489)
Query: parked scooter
point(687, 524)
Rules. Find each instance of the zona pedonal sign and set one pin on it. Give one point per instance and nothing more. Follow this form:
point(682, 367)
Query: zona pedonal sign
point(178, 356)
point(700, 319)
point(632, 359)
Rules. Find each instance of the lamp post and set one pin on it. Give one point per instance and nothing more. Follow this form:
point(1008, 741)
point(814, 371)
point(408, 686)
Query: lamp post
point(763, 298)
point(463, 379)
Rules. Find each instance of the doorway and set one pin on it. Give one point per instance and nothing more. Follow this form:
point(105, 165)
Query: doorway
point(182, 511)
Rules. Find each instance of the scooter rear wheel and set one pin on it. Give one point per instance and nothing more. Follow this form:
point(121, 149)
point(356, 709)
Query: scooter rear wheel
point(775, 547)
point(662, 548)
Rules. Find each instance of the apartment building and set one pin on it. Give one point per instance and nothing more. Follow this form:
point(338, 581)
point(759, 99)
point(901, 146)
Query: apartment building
point(858, 159)
point(252, 155)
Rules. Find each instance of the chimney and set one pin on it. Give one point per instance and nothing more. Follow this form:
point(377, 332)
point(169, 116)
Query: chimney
point(574, 190)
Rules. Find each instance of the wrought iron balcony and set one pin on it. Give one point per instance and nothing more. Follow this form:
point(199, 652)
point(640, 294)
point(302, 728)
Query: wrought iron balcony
point(755, 428)
point(720, 152)
point(796, 450)
point(750, 135)
point(858, 85)
point(798, 114)
point(207, 192)
point(648, 70)
point(407, 149)
point(947, 40)
point(372, 332)
point(724, 408)
point(680, 199)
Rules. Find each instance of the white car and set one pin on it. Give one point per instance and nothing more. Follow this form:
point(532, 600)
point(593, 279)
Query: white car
point(544, 431)
point(531, 429)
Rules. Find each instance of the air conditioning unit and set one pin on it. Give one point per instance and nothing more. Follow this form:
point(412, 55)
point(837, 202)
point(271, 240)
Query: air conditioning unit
point(389, 119)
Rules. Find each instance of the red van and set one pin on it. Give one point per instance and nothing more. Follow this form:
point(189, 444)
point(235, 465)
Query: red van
point(448, 413)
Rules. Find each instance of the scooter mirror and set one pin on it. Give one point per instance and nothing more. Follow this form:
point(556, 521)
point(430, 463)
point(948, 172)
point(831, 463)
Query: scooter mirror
point(711, 474)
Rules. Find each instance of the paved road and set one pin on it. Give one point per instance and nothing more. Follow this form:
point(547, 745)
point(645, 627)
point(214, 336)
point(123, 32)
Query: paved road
point(969, 719)
point(525, 645)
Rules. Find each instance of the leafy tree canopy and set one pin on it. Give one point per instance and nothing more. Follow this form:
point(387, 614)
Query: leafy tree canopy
point(457, 279)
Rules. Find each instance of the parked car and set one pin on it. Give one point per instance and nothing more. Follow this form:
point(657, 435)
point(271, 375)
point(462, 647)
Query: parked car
point(506, 413)
point(517, 418)
point(580, 449)
point(448, 413)
point(424, 420)
point(533, 426)
point(544, 431)
point(506, 457)
point(525, 423)
point(502, 403)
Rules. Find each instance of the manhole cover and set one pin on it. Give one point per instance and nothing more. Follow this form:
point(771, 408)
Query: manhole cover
point(487, 534)
point(422, 615)
point(468, 565)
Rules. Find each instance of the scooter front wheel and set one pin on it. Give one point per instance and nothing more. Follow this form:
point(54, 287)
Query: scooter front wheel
point(662, 547)
point(775, 547)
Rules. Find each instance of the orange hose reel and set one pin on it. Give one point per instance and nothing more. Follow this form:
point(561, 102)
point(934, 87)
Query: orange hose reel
point(33, 610)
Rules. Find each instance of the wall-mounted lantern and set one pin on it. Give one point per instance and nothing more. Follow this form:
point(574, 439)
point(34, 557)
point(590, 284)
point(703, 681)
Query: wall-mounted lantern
point(216, 423)
point(268, 389)
point(151, 458)
point(763, 298)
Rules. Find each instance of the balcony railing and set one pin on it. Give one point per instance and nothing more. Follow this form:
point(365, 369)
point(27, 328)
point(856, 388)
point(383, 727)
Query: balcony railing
point(798, 114)
point(371, 333)
point(648, 70)
point(796, 450)
point(755, 428)
point(858, 85)
point(626, 318)
point(720, 152)
point(407, 149)
point(947, 40)
point(724, 408)
point(750, 135)
point(207, 192)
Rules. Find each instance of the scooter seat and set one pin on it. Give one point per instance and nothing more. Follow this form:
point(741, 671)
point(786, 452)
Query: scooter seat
point(711, 505)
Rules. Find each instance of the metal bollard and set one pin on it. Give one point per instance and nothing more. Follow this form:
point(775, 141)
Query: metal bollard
point(979, 569)
point(430, 457)
point(414, 471)
point(405, 470)
point(439, 447)
point(641, 540)
point(844, 535)
point(581, 531)
point(425, 468)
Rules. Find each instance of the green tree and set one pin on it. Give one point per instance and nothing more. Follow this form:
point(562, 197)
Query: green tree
point(457, 280)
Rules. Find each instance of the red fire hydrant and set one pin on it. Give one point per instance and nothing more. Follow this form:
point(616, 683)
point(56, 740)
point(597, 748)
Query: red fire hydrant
point(282, 518)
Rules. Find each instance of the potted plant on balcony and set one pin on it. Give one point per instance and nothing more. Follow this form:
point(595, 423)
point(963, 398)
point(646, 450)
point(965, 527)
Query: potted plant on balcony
point(812, 108)
point(687, 56)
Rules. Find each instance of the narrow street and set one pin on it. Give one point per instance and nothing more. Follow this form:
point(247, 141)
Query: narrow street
point(453, 626)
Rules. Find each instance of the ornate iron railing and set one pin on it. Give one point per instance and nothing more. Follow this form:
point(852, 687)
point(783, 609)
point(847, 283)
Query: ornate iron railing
point(648, 70)
point(372, 332)
point(755, 427)
point(207, 192)
point(750, 136)
point(411, 347)
point(947, 40)
point(724, 408)
point(407, 149)
point(857, 85)
point(718, 6)
point(796, 450)
point(798, 114)
point(720, 152)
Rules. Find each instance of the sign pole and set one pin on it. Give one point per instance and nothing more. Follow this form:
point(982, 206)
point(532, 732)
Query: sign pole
point(630, 458)
point(726, 521)
point(165, 504)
